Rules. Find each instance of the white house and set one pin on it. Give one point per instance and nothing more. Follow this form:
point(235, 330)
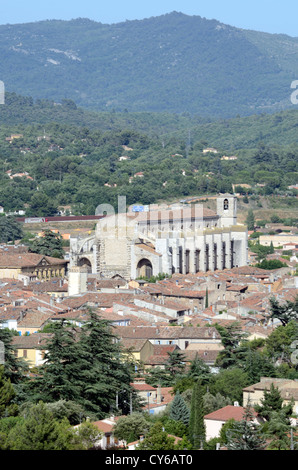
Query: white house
point(215, 420)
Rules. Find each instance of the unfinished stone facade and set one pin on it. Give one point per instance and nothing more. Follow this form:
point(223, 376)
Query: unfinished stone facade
point(179, 240)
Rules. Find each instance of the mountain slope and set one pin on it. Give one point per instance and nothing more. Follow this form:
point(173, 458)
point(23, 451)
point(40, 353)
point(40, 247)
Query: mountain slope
point(273, 129)
point(174, 63)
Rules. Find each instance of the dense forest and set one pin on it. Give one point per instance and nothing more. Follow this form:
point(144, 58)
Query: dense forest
point(94, 158)
point(174, 63)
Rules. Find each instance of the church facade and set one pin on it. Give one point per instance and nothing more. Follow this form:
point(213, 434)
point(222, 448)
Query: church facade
point(172, 240)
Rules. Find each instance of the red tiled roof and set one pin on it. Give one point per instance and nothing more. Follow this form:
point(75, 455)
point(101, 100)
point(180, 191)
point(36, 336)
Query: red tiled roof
point(141, 387)
point(27, 260)
point(104, 427)
point(226, 413)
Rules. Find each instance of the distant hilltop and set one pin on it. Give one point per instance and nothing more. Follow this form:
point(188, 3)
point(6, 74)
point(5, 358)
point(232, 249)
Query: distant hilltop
point(171, 63)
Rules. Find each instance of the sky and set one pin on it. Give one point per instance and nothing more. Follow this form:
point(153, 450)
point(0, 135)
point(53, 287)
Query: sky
point(272, 16)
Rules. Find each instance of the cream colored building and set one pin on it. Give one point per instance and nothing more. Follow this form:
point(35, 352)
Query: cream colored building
point(288, 390)
point(12, 266)
point(31, 348)
point(278, 240)
point(214, 421)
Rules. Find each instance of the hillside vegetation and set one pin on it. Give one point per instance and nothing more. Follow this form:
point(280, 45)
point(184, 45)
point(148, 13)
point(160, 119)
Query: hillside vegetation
point(172, 63)
point(81, 159)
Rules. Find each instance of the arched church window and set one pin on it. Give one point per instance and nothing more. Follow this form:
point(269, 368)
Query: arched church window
point(226, 205)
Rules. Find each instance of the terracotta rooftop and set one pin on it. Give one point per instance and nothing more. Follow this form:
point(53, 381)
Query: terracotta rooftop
point(33, 341)
point(288, 388)
point(143, 387)
point(133, 343)
point(34, 319)
point(170, 332)
point(227, 413)
point(145, 247)
point(27, 260)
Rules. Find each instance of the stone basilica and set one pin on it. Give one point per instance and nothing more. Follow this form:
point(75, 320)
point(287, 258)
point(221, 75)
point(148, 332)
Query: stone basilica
point(186, 239)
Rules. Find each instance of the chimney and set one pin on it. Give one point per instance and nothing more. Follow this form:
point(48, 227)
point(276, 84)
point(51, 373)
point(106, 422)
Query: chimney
point(158, 395)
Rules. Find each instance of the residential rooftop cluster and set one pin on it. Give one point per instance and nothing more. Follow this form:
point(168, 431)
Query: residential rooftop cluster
point(175, 311)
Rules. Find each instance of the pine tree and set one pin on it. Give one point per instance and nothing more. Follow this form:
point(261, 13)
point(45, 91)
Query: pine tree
point(104, 371)
point(49, 245)
point(197, 431)
point(257, 365)
point(279, 431)
point(271, 402)
point(59, 377)
point(14, 367)
point(10, 229)
point(234, 350)
point(179, 410)
point(199, 370)
point(245, 435)
point(175, 363)
point(284, 312)
point(7, 394)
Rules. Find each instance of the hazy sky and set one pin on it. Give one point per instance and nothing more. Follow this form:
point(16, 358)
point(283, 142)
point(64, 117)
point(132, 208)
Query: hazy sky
point(273, 16)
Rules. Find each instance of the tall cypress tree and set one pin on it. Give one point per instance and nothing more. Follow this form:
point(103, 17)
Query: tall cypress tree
point(250, 220)
point(197, 430)
point(206, 299)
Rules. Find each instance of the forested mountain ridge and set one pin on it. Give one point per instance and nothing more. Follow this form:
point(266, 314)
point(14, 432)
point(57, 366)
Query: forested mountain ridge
point(278, 129)
point(171, 63)
point(53, 156)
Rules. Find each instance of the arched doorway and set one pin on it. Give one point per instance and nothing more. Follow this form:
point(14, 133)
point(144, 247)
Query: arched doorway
point(144, 268)
point(85, 263)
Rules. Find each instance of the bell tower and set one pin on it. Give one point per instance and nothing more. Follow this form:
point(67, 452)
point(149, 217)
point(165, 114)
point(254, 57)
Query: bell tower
point(227, 209)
